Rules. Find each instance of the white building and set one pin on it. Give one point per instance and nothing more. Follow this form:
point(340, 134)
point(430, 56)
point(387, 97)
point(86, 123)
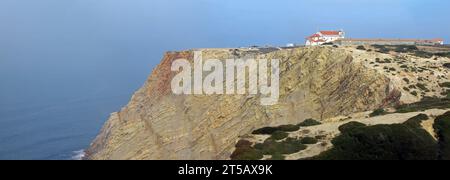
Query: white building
point(439, 41)
point(322, 37)
point(290, 45)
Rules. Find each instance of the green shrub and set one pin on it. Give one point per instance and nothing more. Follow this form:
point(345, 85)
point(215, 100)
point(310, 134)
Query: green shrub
point(265, 130)
point(443, 54)
point(416, 121)
point(447, 94)
point(424, 104)
point(350, 126)
point(442, 129)
point(288, 128)
point(406, 48)
point(244, 151)
point(277, 156)
point(361, 48)
point(309, 140)
point(243, 144)
point(309, 122)
point(271, 130)
point(320, 137)
point(279, 135)
point(272, 147)
point(406, 80)
point(378, 46)
point(382, 142)
point(445, 85)
point(422, 87)
point(378, 112)
point(382, 48)
point(423, 54)
point(447, 65)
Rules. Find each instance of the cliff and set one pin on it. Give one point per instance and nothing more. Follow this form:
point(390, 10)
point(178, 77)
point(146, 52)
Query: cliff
point(315, 82)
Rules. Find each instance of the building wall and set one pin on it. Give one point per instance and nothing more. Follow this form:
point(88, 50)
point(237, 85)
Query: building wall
point(327, 39)
point(347, 43)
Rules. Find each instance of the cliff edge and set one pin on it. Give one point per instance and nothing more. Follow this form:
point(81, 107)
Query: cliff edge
point(315, 82)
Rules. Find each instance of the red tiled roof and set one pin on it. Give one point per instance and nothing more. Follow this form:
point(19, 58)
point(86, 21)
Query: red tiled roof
point(438, 39)
point(330, 33)
point(313, 36)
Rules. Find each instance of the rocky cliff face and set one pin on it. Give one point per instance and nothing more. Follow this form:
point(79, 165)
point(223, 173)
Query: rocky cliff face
point(316, 82)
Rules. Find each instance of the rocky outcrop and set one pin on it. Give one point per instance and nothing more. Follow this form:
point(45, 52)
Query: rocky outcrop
point(315, 82)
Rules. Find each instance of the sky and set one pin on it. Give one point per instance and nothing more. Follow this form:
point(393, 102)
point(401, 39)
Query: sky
point(65, 40)
point(57, 52)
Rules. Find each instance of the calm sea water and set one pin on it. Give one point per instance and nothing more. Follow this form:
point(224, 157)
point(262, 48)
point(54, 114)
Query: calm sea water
point(65, 65)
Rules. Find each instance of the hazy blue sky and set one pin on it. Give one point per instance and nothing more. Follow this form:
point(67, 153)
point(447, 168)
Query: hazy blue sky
point(57, 52)
point(65, 40)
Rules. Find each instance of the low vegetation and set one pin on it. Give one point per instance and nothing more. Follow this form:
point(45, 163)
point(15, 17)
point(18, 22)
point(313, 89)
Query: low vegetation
point(442, 129)
point(361, 48)
point(272, 147)
point(309, 122)
point(411, 49)
point(425, 104)
point(277, 145)
point(381, 142)
point(350, 126)
point(378, 112)
point(445, 85)
point(405, 48)
point(271, 130)
point(357, 141)
point(309, 140)
point(423, 54)
point(416, 121)
point(422, 87)
point(406, 80)
point(443, 54)
point(447, 65)
point(381, 48)
point(279, 135)
point(446, 94)
point(277, 157)
point(286, 128)
point(244, 151)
